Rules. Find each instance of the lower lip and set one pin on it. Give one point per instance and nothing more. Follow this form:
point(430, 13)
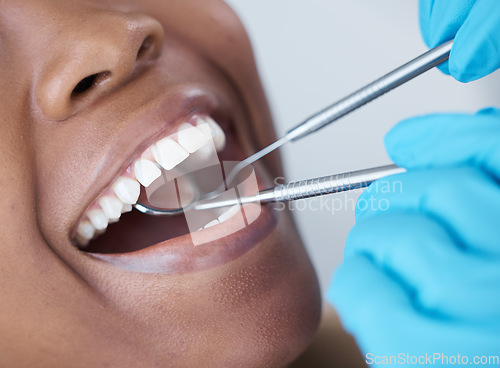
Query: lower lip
point(180, 255)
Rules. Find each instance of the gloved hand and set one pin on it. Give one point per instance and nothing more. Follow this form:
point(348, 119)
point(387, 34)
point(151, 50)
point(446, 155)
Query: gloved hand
point(421, 271)
point(475, 25)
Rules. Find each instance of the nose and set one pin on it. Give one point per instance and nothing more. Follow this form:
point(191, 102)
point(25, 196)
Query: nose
point(95, 60)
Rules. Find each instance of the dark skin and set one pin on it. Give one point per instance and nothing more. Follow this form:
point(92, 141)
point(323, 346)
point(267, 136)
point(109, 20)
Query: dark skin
point(59, 308)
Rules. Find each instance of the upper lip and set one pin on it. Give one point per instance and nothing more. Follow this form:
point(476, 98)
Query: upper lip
point(161, 121)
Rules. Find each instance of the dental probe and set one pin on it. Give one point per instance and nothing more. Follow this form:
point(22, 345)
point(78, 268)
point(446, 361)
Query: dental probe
point(311, 188)
point(352, 102)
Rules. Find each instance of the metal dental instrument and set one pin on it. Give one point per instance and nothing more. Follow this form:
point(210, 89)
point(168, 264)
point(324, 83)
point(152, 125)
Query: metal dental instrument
point(310, 188)
point(370, 92)
point(352, 102)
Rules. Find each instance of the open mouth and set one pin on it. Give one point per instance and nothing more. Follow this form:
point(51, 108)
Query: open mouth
point(110, 225)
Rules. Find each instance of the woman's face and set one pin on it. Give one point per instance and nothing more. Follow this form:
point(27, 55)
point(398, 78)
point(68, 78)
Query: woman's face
point(86, 88)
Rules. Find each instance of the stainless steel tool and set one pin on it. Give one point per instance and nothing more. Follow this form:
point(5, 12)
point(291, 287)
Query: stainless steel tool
point(309, 188)
point(354, 101)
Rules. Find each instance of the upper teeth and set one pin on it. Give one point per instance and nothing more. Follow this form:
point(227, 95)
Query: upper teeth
point(146, 172)
point(127, 189)
point(168, 153)
point(192, 138)
point(212, 129)
point(124, 192)
point(111, 206)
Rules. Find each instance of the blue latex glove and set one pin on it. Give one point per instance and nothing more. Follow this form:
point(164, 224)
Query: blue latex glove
point(475, 25)
point(421, 271)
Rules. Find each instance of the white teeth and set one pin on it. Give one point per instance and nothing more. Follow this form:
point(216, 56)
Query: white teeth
point(169, 153)
point(146, 172)
point(213, 130)
point(229, 213)
point(128, 190)
point(82, 242)
point(218, 134)
point(98, 219)
point(85, 230)
point(126, 208)
point(191, 138)
point(223, 218)
point(202, 125)
point(111, 206)
point(207, 152)
point(211, 223)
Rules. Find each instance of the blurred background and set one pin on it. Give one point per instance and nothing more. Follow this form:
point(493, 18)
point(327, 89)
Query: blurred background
point(312, 53)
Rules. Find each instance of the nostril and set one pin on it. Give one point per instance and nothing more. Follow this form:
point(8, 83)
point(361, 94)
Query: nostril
point(147, 44)
point(84, 85)
point(87, 83)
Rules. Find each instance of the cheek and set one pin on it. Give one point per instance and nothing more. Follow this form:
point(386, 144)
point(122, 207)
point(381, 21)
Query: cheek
point(209, 26)
point(17, 206)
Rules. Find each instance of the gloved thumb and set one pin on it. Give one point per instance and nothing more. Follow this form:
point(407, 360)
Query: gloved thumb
point(445, 140)
point(476, 49)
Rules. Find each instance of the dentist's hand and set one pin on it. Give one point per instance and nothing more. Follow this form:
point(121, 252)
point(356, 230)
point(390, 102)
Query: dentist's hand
point(421, 272)
point(475, 25)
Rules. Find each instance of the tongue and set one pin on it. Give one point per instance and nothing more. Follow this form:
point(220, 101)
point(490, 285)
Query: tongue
point(136, 231)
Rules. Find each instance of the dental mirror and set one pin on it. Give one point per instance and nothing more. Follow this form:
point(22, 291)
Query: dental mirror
point(176, 191)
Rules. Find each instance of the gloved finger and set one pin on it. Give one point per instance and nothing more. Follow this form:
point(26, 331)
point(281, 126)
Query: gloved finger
point(377, 310)
point(441, 20)
point(464, 200)
point(442, 279)
point(476, 50)
point(446, 140)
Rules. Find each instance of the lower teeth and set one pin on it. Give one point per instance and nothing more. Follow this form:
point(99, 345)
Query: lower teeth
point(228, 214)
